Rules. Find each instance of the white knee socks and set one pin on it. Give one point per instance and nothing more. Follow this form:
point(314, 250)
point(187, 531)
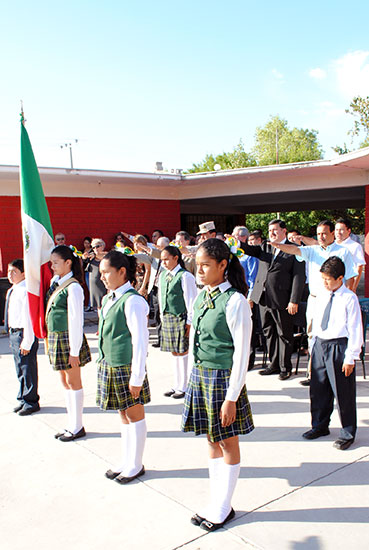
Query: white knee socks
point(136, 443)
point(124, 449)
point(75, 410)
point(182, 372)
point(225, 479)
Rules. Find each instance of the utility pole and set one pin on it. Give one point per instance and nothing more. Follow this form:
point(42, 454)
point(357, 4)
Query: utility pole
point(69, 146)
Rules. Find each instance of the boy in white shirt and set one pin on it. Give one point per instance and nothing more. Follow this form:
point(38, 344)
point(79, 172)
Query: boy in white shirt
point(337, 327)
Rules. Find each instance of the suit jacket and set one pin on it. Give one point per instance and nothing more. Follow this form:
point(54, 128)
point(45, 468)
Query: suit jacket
point(280, 279)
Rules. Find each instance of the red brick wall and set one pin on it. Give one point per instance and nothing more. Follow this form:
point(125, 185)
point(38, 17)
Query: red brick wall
point(79, 217)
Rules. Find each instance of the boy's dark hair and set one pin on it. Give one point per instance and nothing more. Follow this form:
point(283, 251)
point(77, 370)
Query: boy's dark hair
point(281, 223)
point(345, 221)
point(175, 252)
point(327, 223)
point(218, 250)
point(118, 259)
point(158, 231)
point(18, 263)
point(66, 253)
point(258, 234)
point(184, 234)
point(334, 267)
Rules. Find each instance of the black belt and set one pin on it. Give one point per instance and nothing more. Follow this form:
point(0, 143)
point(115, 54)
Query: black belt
point(11, 330)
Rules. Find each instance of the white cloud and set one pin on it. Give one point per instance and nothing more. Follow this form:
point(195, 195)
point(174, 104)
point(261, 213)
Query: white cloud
point(318, 73)
point(352, 74)
point(277, 74)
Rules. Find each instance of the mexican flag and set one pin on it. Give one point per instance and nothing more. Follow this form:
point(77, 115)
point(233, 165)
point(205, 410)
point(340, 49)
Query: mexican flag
point(37, 235)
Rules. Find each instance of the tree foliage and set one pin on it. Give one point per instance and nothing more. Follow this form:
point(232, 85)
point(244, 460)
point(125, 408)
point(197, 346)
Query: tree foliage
point(275, 143)
point(306, 221)
point(359, 109)
point(237, 158)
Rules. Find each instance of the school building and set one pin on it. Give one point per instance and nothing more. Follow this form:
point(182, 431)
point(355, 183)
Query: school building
point(101, 203)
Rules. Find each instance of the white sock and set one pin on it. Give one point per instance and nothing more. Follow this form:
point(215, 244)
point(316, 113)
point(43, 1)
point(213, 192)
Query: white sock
point(226, 484)
point(175, 372)
point(76, 405)
point(182, 372)
point(215, 465)
point(68, 405)
point(136, 443)
point(119, 467)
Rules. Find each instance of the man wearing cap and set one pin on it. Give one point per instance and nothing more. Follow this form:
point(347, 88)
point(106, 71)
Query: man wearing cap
point(207, 231)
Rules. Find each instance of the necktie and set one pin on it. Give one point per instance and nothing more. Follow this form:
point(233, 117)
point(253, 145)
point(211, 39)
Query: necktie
point(6, 313)
point(209, 298)
point(327, 312)
point(112, 296)
point(169, 277)
point(53, 287)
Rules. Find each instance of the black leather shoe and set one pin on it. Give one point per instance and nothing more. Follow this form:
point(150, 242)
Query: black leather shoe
point(69, 436)
point(18, 408)
point(209, 526)
point(169, 393)
point(27, 411)
point(156, 345)
point(305, 382)
point(111, 475)
point(178, 394)
point(123, 480)
point(269, 370)
point(197, 520)
point(315, 433)
point(285, 375)
point(343, 444)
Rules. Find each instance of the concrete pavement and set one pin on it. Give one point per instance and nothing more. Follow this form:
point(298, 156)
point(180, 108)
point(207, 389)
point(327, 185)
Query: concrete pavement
point(292, 494)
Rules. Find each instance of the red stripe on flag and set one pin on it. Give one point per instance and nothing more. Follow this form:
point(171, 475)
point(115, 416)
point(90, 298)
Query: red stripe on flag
point(37, 303)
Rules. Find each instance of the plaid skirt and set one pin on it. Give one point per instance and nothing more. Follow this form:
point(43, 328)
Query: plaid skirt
point(58, 350)
point(113, 388)
point(205, 395)
point(172, 336)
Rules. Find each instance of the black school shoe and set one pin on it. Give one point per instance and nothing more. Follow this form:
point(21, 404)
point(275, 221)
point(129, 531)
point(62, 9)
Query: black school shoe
point(343, 444)
point(29, 410)
point(123, 480)
point(209, 526)
point(315, 433)
point(197, 520)
point(69, 436)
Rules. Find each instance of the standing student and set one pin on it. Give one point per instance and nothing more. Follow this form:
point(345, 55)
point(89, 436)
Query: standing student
point(177, 292)
point(122, 382)
point(216, 401)
point(338, 332)
point(67, 345)
point(22, 340)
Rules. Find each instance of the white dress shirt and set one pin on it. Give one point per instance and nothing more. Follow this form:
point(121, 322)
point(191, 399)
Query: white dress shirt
point(18, 313)
point(75, 302)
point(238, 317)
point(344, 320)
point(356, 250)
point(136, 310)
point(188, 283)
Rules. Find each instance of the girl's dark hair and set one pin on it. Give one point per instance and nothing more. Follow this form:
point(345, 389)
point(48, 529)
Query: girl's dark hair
point(118, 259)
point(18, 263)
point(89, 239)
point(65, 253)
point(218, 250)
point(174, 251)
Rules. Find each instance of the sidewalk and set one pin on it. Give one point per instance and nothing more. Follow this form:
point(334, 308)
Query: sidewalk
point(292, 494)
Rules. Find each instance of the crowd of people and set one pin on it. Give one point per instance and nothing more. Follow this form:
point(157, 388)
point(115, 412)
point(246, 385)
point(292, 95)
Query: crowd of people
point(215, 299)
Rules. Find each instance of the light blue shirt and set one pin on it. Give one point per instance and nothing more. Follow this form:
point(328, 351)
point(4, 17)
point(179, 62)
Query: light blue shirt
point(316, 255)
point(250, 266)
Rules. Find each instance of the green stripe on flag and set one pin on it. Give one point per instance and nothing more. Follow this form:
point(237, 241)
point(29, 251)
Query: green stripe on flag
point(32, 195)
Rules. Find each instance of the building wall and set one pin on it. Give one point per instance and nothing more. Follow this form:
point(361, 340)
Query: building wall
point(79, 217)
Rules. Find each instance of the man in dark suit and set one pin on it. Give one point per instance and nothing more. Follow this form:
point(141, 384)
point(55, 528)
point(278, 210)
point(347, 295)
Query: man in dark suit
point(278, 289)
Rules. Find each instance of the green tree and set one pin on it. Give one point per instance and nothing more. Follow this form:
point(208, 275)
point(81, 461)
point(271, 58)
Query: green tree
point(275, 143)
point(237, 158)
point(359, 109)
point(305, 221)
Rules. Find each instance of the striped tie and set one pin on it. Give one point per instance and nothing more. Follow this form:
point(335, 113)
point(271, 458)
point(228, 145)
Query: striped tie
point(209, 298)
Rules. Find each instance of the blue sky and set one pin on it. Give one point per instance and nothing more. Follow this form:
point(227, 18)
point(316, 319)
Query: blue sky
point(139, 82)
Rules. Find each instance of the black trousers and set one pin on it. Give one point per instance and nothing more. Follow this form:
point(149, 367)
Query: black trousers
point(328, 381)
point(154, 302)
point(278, 330)
point(26, 369)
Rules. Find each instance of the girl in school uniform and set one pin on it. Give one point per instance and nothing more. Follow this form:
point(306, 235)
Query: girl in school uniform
point(216, 401)
point(177, 292)
point(68, 349)
point(122, 382)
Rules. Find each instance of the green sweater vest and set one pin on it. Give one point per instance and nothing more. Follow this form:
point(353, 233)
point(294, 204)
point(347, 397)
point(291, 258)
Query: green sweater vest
point(172, 300)
point(213, 343)
point(57, 318)
point(115, 342)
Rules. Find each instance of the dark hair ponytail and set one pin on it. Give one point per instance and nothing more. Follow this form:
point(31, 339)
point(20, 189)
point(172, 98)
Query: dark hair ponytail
point(118, 259)
point(176, 253)
point(66, 253)
point(218, 250)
